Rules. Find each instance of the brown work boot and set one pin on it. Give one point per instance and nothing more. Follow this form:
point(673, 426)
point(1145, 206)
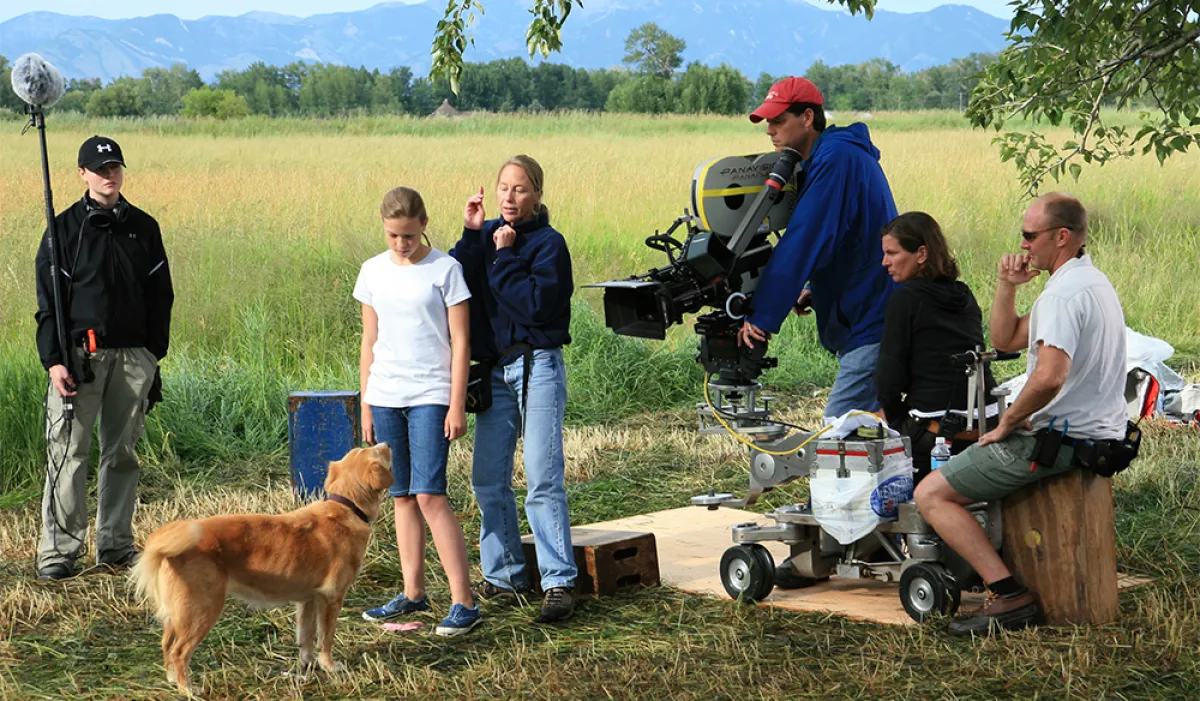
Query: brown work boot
point(1020, 611)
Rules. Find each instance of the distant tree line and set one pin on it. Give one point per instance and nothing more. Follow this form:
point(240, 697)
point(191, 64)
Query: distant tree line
point(650, 82)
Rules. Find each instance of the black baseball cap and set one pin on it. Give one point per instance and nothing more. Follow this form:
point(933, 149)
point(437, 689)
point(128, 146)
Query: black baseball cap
point(99, 151)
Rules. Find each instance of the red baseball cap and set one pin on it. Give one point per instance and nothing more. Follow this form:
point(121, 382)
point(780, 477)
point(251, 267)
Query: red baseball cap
point(783, 94)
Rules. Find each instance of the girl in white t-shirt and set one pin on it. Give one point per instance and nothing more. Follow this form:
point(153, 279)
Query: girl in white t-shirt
point(413, 369)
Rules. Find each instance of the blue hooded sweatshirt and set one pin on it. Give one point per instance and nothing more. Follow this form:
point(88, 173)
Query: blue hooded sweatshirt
point(519, 294)
point(833, 242)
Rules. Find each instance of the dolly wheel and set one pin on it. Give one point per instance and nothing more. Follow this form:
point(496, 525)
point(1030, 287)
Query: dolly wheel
point(927, 589)
point(748, 572)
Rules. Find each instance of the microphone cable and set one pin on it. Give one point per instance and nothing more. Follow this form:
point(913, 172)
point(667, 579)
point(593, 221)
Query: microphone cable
point(54, 468)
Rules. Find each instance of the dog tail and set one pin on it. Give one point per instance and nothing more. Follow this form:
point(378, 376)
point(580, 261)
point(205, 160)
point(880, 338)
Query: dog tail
point(169, 541)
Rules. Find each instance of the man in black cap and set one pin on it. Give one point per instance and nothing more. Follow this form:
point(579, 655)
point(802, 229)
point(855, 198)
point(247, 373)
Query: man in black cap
point(115, 288)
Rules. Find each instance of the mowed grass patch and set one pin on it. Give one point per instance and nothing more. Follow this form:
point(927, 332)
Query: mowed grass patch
point(88, 638)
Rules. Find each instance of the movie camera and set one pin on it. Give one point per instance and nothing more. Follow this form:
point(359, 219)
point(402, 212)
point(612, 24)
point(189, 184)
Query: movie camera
point(737, 202)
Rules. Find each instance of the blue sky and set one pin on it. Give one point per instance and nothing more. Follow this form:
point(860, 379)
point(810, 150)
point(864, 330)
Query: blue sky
point(192, 10)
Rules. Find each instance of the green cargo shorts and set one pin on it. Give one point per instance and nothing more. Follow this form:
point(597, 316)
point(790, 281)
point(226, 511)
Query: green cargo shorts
point(999, 469)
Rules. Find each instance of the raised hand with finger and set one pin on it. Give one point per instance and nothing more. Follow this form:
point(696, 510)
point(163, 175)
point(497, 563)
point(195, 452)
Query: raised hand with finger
point(473, 214)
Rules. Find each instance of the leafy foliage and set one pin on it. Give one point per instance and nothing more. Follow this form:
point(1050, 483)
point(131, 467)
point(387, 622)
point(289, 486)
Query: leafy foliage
point(651, 50)
point(206, 102)
point(1068, 60)
point(451, 38)
point(120, 99)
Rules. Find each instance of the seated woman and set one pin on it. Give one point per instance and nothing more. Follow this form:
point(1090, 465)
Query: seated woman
point(929, 318)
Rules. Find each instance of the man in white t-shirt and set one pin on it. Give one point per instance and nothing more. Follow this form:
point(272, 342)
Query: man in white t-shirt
point(1075, 336)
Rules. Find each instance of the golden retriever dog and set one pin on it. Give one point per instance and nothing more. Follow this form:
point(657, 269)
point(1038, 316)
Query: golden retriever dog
point(310, 556)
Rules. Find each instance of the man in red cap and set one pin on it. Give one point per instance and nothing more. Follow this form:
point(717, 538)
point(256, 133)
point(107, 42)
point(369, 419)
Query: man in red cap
point(831, 242)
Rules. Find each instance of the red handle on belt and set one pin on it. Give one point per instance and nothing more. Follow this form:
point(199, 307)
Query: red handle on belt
point(91, 341)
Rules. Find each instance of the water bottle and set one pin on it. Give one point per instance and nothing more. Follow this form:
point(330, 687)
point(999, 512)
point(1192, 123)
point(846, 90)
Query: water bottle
point(941, 453)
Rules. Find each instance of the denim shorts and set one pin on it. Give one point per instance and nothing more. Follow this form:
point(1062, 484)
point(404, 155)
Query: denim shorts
point(417, 437)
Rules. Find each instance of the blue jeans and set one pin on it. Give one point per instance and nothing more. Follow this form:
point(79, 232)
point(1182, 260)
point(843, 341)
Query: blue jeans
point(417, 437)
point(496, 431)
point(854, 386)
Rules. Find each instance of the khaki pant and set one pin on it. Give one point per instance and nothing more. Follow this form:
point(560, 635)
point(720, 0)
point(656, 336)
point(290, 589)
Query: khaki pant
point(118, 398)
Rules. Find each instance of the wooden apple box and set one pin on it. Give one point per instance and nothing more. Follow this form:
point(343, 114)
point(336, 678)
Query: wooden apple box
point(608, 561)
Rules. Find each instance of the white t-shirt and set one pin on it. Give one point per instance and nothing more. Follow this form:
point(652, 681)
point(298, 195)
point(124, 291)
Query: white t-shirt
point(412, 352)
point(1079, 313)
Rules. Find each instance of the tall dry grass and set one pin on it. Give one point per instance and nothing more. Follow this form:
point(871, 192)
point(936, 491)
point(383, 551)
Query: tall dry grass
point(266, 230)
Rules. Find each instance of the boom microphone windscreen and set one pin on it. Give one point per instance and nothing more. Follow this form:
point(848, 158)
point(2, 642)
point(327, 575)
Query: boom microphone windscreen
point(37, 82)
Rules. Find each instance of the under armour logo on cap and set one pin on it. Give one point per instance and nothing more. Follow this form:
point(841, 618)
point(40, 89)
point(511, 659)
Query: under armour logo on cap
point(104, 147)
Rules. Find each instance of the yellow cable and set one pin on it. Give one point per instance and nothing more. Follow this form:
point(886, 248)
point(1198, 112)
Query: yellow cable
point(753, 445)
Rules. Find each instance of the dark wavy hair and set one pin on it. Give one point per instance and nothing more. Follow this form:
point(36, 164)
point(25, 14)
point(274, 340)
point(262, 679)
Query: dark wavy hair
point(915, 229)
point(797, 108)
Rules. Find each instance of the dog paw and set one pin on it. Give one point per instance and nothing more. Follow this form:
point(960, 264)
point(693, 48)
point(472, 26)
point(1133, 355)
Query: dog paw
point(332, 667)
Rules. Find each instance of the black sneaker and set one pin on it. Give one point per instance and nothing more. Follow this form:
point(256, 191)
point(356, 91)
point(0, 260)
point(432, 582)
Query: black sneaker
point(558, 604)
point(117, 563)
point(56, 571)
point(494, 594)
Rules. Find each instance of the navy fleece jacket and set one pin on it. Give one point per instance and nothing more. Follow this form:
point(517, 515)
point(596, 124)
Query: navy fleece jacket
point(520, 294)
point(833, 242)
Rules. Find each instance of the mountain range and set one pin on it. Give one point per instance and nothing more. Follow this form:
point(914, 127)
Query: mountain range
point(755, 36)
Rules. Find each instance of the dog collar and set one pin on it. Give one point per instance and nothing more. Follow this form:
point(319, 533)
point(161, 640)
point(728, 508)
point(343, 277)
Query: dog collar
point(351, 505)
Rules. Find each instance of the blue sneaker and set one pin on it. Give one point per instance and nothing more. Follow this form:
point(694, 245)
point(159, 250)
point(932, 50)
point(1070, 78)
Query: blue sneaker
point(400, 606)
point(460, 620)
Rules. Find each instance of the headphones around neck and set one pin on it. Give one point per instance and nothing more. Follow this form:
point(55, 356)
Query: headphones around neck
point(105, 218)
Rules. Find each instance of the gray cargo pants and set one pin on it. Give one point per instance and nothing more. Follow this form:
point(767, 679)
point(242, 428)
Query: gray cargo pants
point(118, 398)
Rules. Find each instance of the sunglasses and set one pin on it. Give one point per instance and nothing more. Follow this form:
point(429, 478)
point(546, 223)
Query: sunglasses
point(1031, 235)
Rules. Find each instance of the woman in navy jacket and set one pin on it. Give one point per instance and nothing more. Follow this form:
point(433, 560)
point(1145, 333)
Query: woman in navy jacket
point(519, 272)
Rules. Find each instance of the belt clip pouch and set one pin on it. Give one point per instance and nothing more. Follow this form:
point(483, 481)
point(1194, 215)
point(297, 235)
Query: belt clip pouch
point(85, 367)
point(1096, 456)
point(479, 388)
point(1045, 449)
point(1125, 450)
point(951, 425)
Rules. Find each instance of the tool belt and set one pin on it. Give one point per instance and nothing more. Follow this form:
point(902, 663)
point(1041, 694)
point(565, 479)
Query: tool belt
point(1103, 457)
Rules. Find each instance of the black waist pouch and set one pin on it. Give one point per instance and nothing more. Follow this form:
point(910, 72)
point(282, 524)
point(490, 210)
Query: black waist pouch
point(1107, 458)
point(479, 387)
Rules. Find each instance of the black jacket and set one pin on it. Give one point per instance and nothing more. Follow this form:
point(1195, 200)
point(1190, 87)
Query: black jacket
point(519, 294)
point(926, 322)
point(115, 280)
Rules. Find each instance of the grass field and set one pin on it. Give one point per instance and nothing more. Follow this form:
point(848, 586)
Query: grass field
point(266, 224)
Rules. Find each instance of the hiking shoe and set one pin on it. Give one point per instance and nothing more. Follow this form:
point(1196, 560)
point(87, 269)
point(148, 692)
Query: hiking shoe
point(460, 620)
point(400, 606)
point(492, 593)
point(120, 562)
point(1009, 613)
point(558, 604)
point(56, 571)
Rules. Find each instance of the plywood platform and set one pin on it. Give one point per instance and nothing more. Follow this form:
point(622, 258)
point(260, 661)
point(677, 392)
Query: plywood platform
point(691, 541)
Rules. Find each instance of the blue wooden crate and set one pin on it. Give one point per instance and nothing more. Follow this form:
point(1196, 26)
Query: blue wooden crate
point(322, 426)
